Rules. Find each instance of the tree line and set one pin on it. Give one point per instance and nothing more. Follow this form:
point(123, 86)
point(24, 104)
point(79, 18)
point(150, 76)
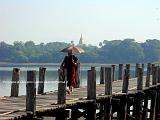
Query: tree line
point(115, 51)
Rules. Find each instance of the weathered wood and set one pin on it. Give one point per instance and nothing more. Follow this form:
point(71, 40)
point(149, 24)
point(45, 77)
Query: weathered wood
point(128, 67)
point(129, 104)
point(15, 82)
point(120, 72)
point(91, 111)
point(113, 74)
point(62, 114)
point(108, 91)
point(143, 66)
point(108, 109)
point(106, 101)
point(154, 75)
point(91, 94)
point(158, 104)
point(62, 87)
point(158, 75)
point(126, 79)
point(42, 71)
point(102, 75)
point(153, 104)
point(74, 113)
point(91, 84)
point(148, 75)
point(101, 112)
point(153, 65)
point(122, 109)
point(140, 79)
point(145, 107)
point(108, 80)
point(136, 69)
point(137, 107)
point(31, 92)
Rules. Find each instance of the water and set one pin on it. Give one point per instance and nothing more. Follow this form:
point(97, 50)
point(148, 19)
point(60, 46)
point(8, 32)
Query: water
point(51, 76)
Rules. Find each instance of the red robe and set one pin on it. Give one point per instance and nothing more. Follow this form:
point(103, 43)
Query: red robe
point(71, 70)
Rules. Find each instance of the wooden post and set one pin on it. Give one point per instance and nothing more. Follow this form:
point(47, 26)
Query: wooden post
point(143, 67)
point(62, 114)
point(41, 80)
point(153, 105)
point(108, 91)
point(136, 69)
point(130, 100)
point(108, 109)
point(140, 79)
point(91, 94)
point(128, 67)
point(113, 74)
point(153, 65)
point(108, 80)
point(154, 75)
point(158, 104)
point(15, 82)
point(137, 107)
point(158, 75)
point(148, 75)
point(91, 111)
point(122, 109)
point(62, 86)
point(102, 75)
point(101, 111)
point(126, 79)
point(31, 92)
point(91, 84)
point(120, 72)
point(157, 68)
point(145, 108)
point(74, 113)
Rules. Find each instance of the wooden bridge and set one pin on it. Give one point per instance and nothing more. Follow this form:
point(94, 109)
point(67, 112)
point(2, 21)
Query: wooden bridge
point(128, 98)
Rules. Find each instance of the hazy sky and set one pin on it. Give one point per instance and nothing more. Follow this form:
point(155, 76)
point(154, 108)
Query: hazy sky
point(64, 20)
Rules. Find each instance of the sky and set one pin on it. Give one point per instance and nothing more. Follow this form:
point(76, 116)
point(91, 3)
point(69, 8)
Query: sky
point(64, 20)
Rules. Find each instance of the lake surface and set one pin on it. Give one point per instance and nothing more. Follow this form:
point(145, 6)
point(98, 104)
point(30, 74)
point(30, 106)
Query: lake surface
point(51, 77)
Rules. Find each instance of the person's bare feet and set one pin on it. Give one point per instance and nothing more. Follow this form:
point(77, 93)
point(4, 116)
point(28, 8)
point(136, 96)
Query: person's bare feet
point(71, 89)
point(68, 91)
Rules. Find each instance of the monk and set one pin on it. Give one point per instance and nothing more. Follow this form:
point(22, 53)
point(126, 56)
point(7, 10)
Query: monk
point(70, 63)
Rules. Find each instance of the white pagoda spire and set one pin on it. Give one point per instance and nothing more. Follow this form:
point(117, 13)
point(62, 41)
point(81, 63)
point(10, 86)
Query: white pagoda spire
point(81, 41)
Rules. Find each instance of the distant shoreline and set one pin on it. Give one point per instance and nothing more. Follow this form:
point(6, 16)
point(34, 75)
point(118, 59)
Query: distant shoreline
point(5, 64)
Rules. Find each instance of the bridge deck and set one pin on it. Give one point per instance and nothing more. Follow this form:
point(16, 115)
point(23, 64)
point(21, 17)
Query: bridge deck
point(12, 107)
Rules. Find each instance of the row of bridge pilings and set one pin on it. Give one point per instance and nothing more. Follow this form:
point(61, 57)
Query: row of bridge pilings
point(142, 103)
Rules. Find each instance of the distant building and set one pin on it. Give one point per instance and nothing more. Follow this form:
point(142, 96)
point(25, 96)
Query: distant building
point(81, 41)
